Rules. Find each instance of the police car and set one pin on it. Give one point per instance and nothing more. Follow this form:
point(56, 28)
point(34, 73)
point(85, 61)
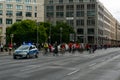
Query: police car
point(26, 51)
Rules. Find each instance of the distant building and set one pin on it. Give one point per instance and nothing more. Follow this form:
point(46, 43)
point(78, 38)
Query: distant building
point(92, 22)
point(12, 11)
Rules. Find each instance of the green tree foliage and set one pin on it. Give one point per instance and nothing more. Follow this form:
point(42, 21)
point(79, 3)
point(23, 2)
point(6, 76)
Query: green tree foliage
point(66, 30)
point(26, 31)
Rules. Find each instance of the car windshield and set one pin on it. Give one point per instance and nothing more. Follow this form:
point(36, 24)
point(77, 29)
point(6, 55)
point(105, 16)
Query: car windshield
point(23, 47)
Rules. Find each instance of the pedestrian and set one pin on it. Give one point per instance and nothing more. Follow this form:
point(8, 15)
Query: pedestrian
point(70, 47)
point(94, 48)
point(55, 50)
point(10, 48)
point(90, 49)
point(73, 48)
point(46, 48)
point(62, 48)
point(87, 47)
point(50, 48)
point(1, 47)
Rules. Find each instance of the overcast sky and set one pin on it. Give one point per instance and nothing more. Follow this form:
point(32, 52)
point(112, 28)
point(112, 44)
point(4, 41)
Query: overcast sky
point(113, 6)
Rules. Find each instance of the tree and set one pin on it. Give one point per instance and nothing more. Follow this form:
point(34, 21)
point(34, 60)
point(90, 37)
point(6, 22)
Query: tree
point(26, 31)
point(66, 30)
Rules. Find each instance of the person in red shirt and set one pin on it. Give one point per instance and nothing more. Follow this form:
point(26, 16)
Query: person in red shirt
point(10, 48)
point(50, 47)
point(70, 46)
point(87, 47)
point(63, 48)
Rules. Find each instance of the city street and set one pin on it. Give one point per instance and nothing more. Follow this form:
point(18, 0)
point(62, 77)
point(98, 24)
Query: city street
point(101, 65)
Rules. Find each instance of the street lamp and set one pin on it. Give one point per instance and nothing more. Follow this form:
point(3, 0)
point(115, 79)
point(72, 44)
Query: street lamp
point(60, 34)
point(37, 34)
point(49, 18)
point(11, 36)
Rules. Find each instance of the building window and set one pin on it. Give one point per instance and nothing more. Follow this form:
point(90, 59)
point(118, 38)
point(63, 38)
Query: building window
point(50, 14)
point(18, 1)
point(19, 7)
point(50, 1)
point(9, 6)
point(80, 0)
point(80, 39)
point(69, 14)
point(50, 8)
point(80, 13)
point(19, 13)
point(8, 21)
point(80, 7)
point(60, 1)
point(27, 1)
point(18, 20)
point(91, 31)
point(1, 6)
point(91, 7)
point(9, 13)
point(70, 7)
point(80, 31)
point(35, 1)
point(29, 8)
point(92, 0)
point(0, 20)
point(91, 22)
point(80, 22)
point(1, 12)
point(70, 23)
point(28, 14)
point(90, 39)
point(70, 1)
point(60, 8)
point(8, 0)
point(91, 13)
point(35, 14)
point(59, 14)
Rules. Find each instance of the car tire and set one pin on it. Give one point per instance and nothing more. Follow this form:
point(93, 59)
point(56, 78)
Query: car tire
point(27, 56)
point(36, 55)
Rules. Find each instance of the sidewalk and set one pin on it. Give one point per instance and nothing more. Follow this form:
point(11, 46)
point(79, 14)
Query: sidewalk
point(3, 53)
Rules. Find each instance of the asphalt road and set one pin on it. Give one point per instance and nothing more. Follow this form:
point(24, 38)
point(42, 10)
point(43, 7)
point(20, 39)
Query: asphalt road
point(64, 67)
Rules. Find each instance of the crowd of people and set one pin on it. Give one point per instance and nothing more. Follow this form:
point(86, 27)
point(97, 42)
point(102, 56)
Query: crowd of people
point(56, 48)
point(71, 47)
point(7, 48)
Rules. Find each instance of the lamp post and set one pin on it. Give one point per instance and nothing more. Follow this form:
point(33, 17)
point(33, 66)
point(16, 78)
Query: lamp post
point(60, 35)
point(49, 37)
point(11, 36)
point(37, 35)
point(49, 18)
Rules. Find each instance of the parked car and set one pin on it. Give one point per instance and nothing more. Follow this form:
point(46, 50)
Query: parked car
point(26, 51)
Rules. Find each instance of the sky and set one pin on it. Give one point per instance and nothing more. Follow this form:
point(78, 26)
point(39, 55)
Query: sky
point(113, 6)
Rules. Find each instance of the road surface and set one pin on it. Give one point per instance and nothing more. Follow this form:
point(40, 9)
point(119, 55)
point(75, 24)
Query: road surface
point(64, 67)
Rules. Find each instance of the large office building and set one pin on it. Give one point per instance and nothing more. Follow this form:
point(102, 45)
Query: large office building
point(92, 22)
point(12, 11)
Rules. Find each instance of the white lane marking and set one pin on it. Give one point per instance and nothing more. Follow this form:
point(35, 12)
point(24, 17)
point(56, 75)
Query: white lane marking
point(105, 62)
point(73, 72)
point(92, 64)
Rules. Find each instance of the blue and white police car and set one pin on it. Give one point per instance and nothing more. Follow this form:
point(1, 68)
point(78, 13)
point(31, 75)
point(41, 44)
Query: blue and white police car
point(26, 51)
